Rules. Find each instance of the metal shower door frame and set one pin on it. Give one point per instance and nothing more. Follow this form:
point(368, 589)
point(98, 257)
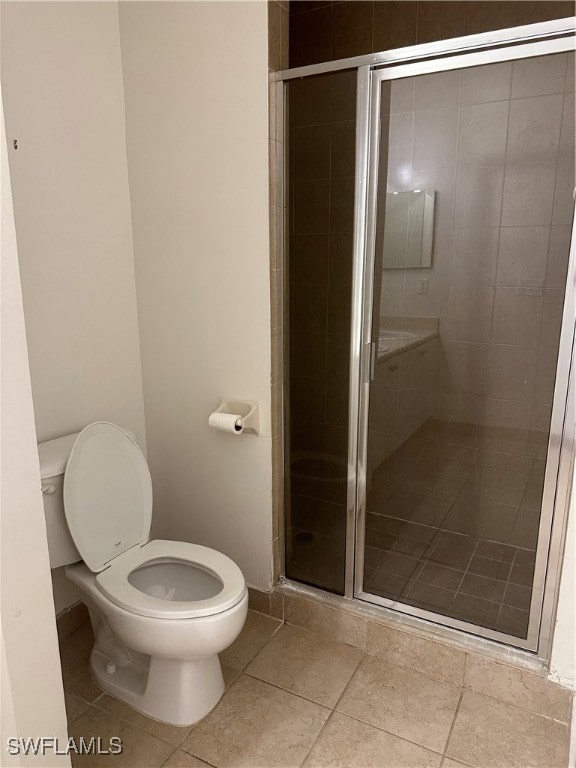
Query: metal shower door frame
point(553, 516)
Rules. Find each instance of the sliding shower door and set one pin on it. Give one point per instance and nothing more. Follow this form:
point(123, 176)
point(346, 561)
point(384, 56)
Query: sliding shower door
point(470, 219)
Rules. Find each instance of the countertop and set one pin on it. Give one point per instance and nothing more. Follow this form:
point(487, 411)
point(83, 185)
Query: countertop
point(389, 347)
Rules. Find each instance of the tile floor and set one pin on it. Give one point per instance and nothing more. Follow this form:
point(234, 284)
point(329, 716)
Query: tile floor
point(483, 582)
point(452, 524)
point(295, 698)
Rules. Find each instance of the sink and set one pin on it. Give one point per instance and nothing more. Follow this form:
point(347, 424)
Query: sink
point(397, 336)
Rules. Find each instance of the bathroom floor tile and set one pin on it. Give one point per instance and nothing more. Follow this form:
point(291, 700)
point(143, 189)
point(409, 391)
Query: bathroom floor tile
point(325, 621)
point(229, 674)
point(436, 660)
point(255, 634)
point(180, 759)
point(306, 664)
point(519, 687)
point(348, 743)
point(402, 701)
point(74, 706)
point(257, 726)
point(490, 733)
point(121, 712)
point(75, 655)
point(139, 748)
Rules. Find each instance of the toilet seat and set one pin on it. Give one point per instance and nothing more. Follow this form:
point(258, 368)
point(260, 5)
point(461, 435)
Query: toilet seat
point(113, 581)
point(107, 494)
point(108, 508)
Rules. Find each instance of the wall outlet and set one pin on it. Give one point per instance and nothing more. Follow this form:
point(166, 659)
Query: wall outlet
point(423, 285)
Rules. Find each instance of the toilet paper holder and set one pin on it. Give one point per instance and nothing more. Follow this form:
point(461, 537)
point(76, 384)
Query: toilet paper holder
point(247, 409)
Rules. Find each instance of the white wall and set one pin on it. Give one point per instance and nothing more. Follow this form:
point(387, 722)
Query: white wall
point(32, 695)
point(195, 80)
point(563, 657)
point(63, 94)
point(63, 90)
point(563, 661)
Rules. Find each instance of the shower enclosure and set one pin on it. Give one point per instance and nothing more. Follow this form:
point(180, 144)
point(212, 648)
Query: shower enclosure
point(430, 326)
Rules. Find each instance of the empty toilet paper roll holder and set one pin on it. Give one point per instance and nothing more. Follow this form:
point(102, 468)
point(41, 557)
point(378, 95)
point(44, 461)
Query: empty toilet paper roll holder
point(246, 409)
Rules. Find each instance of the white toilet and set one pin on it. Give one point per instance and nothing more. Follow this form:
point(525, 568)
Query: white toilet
point(161, 610)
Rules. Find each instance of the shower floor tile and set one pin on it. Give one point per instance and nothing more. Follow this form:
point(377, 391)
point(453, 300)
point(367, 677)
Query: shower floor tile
point(469, 554)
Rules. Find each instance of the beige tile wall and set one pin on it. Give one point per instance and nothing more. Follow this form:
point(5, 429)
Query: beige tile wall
point(493, 142)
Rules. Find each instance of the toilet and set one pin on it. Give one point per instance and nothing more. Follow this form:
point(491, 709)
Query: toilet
point(161, 610)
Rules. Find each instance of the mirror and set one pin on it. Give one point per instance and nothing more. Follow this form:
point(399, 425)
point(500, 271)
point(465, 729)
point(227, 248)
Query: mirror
point(409, 229)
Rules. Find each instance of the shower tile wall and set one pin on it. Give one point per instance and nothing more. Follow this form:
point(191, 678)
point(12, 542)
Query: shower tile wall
point(464, 483)
point(322, 140)
point(502, 229)
point(321, 31)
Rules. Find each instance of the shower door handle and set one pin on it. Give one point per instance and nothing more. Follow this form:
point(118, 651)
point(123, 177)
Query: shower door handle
point(371, 357)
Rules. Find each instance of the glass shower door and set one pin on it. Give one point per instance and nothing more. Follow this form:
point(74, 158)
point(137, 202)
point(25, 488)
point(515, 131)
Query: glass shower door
point(470, 246)
point(322, 120)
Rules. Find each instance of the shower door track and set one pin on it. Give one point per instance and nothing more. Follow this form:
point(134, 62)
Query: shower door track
point(473, 50)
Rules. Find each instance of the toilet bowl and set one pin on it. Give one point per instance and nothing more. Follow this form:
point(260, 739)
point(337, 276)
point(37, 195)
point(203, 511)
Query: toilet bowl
point(161, 610)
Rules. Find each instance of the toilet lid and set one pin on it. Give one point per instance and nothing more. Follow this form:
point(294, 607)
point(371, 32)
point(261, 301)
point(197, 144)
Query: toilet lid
point(107, 494)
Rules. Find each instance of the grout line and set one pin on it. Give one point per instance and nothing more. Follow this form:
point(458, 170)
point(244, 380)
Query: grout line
point(466, 571)
point(142, 728)
point(362, 654)
point(181, 749)
point(70, 722)
point(517, 706)
point(418, 671)
point(259, 651)
point(169, 756)
point(315, 740)
point(238, 672)
point(358, 719)
point(444, 751)
point(391, 733)
point(300, 695)
point(286, 690)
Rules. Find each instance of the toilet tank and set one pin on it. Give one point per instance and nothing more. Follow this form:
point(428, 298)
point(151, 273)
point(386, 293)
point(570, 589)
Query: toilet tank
point(53, 456)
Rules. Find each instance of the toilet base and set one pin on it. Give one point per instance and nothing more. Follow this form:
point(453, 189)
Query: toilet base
point(175, 692)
